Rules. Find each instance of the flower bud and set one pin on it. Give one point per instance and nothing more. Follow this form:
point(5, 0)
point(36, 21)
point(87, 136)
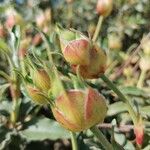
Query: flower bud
point(37, 40)
point(114, 42)
point(69, 1)
point(77, 52)
point(36, 95)
point(146, 47)
point(41, 80)
point(145, 63)
point(104, 7)
point(139, 132)
point(24, 44)
point(97, 65)
point(3, 33)
point(78, 110)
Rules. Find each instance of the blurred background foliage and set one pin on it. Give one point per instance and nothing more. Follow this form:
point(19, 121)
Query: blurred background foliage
point(120, 35)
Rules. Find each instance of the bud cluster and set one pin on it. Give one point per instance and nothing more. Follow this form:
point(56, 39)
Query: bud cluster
point(40, 88)
point(85, 57)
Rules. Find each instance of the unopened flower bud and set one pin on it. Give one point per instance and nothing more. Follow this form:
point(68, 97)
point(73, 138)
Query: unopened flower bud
point(146, 47)
point(78, 110)
point(69, 1)
point(97, 65)
point(104, 7)
point(36, 95)
point(145, 63)
point(3, 33)
point(139, 132)
point(23, 48)
point(37, 40)
point(77, 52)
point(114, 42)
point(41, 80)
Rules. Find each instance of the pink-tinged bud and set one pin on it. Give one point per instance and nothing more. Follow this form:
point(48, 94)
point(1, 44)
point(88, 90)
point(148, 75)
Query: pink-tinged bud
point(24, 44)
point(36, 95)
point(13, 18)
point(41, 80)
point(104, 7)
point(97, 65)
point(78, 110)
point(37, 40)
point(69, 1)
point(3, 33)
point(77, 52)
point(139, 132)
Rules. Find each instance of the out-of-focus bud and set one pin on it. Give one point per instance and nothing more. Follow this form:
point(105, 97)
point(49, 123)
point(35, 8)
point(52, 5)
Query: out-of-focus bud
point(69, 1)
point(48, 15)
point(104, 7)
point(40, 20)
point(3, 33)
point(13, 18)
point(114, 42)
point(146, 47)
point(139, 132)
point(36, 95)
point(41, 80)
point(128, 71)
point(77, 52)
point(78, 110)
point(145, 63)
point(37, 40)
point(24, 44)
point(97, 64)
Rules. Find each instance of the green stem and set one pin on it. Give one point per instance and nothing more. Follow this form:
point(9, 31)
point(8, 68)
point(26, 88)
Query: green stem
point(74, 141)
point(98, 28)
point(141, 78)
point(101, 138)
point(6, 76)
point(122, 97)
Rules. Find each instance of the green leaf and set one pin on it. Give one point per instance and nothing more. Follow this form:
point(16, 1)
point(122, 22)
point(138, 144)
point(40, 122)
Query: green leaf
point(116, 108)
point(145, 110)
point(3, 46)
point(133, 91)
point(44, 128)
point(3, 89)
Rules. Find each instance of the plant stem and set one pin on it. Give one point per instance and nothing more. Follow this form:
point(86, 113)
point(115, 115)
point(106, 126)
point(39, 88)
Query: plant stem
point(122, 97)
point(98, 28)
point(141, 78)
point(101, 138)
point(74, 141)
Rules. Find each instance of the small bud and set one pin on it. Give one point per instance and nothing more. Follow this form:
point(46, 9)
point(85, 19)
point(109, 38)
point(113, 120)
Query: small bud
point(13, 18)
point(104, 7)
point(145, 63)
point(23, 48)
point(146, 47)
point(37, 40)
point(78, 110)
point(139, 132)
point(97, 65)
point(41, 80)
point(114, 42)
point(36, 95)
point(69, 1)
point(3, 33)
point(77, 52)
